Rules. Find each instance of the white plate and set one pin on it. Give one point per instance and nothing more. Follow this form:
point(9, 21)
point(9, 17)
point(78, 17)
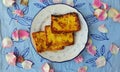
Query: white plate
point(43, 18)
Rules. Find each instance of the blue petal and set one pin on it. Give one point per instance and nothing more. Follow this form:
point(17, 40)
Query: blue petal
point(109, 55)
point(102, 50)
point(16, 6)
point(91, 60)
point(39, 5)
point(16, 52)
point(25, 52)
point(79, 5)
point(98, 37)
point(9, 11)
point(25, 10)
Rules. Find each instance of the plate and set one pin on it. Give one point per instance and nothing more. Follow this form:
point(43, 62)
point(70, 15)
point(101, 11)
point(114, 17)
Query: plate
point(43, 18)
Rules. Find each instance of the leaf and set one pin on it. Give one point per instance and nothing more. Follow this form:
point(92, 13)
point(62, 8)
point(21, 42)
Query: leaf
point(97, 53)
point(45, 2)
point(16, 52)
point(28, 18)
point(102, 49)
point(109, 55)
point(25, 52)
point(79, 5)
point(9, 11)
point(91, 60)
point(25, 10)
point(98, 37)
point(38, 5)
point(16, 6)
point(19, 65)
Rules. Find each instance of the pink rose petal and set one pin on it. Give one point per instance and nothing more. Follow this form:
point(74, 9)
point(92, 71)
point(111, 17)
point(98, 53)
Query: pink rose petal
point(91, 49)
point(102, 28)
point(101, 61)
point(15, 35)
point(27, 64)
point(117, 18)
point(23, 34)
point(97, 4)
point(79, 59)
point(82, 69)
point(7, 42)
point(11, 59)
point(19, 13)
point(105, 6)
point(114, 49)
point(51, 70)
point(8, 3)
point(46, 67)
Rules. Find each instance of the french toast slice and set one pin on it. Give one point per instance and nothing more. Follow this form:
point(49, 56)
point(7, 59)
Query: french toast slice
point(39, 39)
point(65, 23)
point(61, 39)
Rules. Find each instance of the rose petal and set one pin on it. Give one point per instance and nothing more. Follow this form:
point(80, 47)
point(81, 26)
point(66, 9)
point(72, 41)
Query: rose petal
point(97, 4)
point(105, 6)
point(27, 64)
point(24, 2)
point(15, 35)
point(89, 42)
point(7, 42)
point(79, 59)
point(51, 70)
point(70, 2)
point(112, 12)
point(23, 34)
point(11, 59)
point(114, 49)
point(102, 28)
point(101, 61)
point(19, 13)
point(91, 49)
point(100, 14)
point(83, 69)
point(57, 1)
point(117, 18)
point(46, 67)
point(8, 3)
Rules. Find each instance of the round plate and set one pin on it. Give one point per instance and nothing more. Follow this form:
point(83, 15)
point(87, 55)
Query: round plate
point(43, 18)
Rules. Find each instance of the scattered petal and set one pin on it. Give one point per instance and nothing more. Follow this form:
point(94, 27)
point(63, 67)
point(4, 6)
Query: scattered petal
point(23, 34)
point(112, 12)
point(83, 69)
point(46, 67)
point(79, 59)
point(8, 3)
point(97, 4)
point(70, 2)
point(117, 18)
point(24, 2)
point(51, 70)
point(27, 64)
point(15, 35)
point(91, 49)
point(101, 61)
point(19, 13)
point(100, 14)
point(57, 1)
point(114, 49)
point(102, 28)
point(7, 42)
point(11, 59)
point(20, 59)
point(105, 6)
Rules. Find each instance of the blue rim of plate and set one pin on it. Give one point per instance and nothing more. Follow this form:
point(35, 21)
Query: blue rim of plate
point(65, 60)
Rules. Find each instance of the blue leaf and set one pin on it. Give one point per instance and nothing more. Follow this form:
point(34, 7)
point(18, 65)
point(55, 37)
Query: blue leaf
point(39, 5)
point(109, 55)
point(16, 52)
point(99, 37)
point(97, 54)
point(23, 21)
point(45, 2)
point(25, 10)
point(19, 65)
point(28, 18)
point(91, 60)
point(102, 50)
point(25, 52)
point(79, 5)
point(9, 11)
point(16, 6)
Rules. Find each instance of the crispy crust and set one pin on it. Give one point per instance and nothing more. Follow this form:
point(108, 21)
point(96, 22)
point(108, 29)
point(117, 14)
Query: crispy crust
point(65, 23)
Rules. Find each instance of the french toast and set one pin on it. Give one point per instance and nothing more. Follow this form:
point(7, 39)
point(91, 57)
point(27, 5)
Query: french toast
point(62, 39)
point(65, 23)
point(39, 39)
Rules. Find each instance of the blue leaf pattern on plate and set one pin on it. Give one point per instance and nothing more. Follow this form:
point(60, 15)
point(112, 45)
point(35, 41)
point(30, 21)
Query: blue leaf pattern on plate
point(25, 10)
point(16, 52)
point(25, 52)
point(108, 56)
point(79, 5)
point(38, 5)
point(91, 60)
point(28, 18)
point(16, 6)
point(9, 11)
point(102, 50)
point(19, 65)
point(98, 37)
point(97, 54)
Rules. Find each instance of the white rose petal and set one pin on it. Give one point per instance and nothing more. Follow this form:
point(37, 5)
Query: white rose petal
point(27, 64)
point(7, 42)
point(102, 28)
point(8, 3)
point(101, 61)
point(46, 67)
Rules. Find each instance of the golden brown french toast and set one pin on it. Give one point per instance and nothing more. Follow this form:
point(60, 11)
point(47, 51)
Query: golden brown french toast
point(65, 23)
point(61, 39)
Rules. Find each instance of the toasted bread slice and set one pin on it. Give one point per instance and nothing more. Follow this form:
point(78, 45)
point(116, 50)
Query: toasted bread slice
point(61, 39)
point(39, 39)
point(65, 23)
